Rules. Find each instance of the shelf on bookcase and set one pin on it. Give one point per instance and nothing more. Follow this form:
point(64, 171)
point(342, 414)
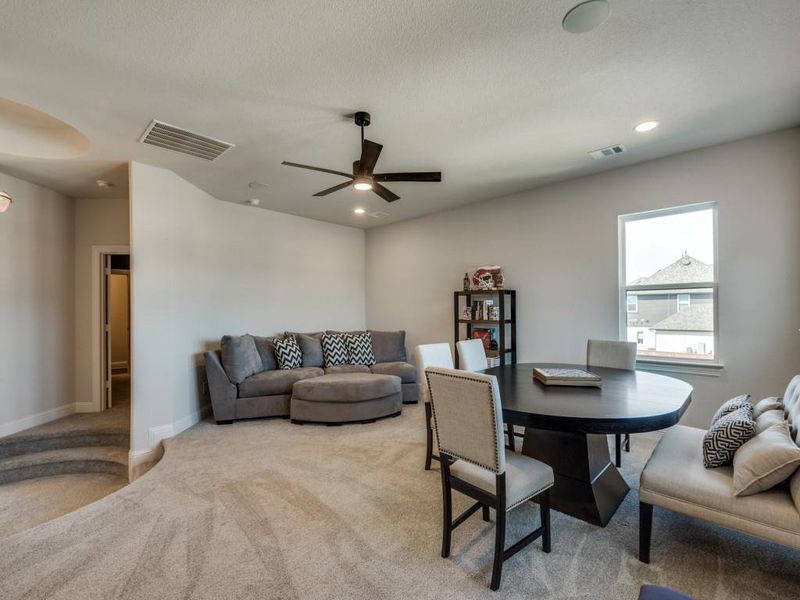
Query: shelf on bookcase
point(483, 321)
point(484, 292)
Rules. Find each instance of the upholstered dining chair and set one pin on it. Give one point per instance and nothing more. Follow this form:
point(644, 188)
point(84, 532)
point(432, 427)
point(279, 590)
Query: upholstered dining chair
point(472, 357)
point(613, 355)
point(430, 355)
point(468, 418)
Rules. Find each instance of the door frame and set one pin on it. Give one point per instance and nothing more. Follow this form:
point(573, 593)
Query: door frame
point(98, 380)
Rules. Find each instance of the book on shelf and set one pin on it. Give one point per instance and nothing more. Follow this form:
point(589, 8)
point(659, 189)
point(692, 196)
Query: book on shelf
point(482, 310)
point(492, 361)
point(485, 335)
point(567, 377)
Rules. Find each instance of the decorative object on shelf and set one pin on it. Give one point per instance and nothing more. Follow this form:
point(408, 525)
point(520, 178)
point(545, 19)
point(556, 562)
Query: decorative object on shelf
point(489, 310)
point(494, 313)
point(569, 377)
point(493, 344)
point(466, 282)
point(485, 335)
point(5, 201)
point(466, 313)
point(488, 277)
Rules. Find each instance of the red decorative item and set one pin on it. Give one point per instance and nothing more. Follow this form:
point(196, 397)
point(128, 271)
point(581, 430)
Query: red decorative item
point(488, 277)
point(485, 335)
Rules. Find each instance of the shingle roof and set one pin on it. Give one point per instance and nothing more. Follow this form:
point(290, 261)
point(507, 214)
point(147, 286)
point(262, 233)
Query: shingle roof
point(686, 269)
point(698, 317)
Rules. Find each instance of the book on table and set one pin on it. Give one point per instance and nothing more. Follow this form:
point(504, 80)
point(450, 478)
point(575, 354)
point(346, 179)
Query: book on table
point(568, 377)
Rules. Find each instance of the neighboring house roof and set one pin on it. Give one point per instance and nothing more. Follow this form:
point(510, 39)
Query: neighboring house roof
point(698, 317)
point(686, 269)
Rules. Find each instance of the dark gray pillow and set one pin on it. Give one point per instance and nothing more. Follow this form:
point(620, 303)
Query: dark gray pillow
point(266, 350)
point(726, 436)
point(240, 357)
point(311, 347)
point(389, 346)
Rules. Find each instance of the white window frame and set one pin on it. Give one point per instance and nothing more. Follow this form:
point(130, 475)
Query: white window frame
point(655, 363)
point(628, 304)
point(686, 304)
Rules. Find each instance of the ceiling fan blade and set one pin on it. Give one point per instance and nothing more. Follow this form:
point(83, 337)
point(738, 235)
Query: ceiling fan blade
point(369, 157)
point(332, 172)
point(335, 188)
point(428, 176)
point(384, 193)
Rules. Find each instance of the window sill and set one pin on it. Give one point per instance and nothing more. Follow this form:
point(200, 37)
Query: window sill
point(710, 369)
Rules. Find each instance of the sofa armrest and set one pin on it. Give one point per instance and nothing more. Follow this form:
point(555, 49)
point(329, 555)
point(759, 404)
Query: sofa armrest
point(223, 393)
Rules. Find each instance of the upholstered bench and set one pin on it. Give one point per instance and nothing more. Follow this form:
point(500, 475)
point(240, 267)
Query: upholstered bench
point(346, 398)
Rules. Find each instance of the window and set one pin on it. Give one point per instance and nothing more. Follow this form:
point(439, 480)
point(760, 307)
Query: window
point(668, 283)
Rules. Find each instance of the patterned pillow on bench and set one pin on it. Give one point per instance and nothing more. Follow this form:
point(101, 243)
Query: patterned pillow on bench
point(726, 436)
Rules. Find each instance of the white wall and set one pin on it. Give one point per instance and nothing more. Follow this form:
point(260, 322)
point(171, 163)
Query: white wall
point(37, 314)
point(558, 247)
point(98, 222)
point(202, 268)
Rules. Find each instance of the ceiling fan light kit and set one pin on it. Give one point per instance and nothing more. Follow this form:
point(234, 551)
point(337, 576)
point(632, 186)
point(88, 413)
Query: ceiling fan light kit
point(363, 177)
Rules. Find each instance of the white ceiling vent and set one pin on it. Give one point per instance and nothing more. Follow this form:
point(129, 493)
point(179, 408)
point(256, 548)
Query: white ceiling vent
point(174, 138)
point(608, 152)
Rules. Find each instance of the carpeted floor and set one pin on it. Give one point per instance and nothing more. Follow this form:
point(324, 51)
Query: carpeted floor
point(266, 509)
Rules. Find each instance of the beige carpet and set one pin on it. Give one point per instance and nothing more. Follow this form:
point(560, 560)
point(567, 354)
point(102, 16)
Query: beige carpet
point(266, 509)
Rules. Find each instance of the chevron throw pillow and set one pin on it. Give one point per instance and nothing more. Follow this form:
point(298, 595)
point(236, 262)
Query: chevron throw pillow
point(334, 349)
point(726, 436)
point(288, 353)
point(731, 405)
point(360, 348)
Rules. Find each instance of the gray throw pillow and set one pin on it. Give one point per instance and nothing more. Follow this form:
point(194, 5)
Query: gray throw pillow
point(762, 406)
point(266, 350)
point(288, 353)
point(731, 405)
point(240, 357)
point(726, 436)
point(311, 347)
point(768, 419)
point(389, 346)
point(763, 462)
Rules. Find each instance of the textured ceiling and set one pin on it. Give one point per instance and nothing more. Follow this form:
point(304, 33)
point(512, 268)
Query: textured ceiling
point(494, 94)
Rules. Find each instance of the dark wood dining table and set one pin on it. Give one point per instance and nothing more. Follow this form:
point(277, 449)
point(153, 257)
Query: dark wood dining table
point(567, 428)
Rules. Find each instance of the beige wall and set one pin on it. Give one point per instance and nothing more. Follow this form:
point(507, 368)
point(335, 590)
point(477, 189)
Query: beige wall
point(202, 268)
point(98, 222)
point(118, 318)
point(558, 247)
point(37, 314)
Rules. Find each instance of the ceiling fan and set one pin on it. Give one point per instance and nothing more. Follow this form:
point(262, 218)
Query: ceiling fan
point(363, 178)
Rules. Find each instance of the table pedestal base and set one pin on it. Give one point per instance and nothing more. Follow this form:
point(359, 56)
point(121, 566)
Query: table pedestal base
point(587, 484)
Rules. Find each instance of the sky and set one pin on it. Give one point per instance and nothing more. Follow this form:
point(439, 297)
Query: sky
point(652, 244)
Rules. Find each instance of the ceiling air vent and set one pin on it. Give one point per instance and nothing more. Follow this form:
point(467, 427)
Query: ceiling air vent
point(608, 152)
point(378, 214)
point(174, 138)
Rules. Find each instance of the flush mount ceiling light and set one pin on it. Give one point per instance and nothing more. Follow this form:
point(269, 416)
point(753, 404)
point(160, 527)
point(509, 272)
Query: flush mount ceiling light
point(363, 184)
point(585, 16)
point(646, 126)
point(5, 201)
point(359, 211)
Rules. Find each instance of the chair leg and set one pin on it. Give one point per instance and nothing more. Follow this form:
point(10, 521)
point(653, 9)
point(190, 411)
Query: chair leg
point(645, 530)
point(544, 510)
point(627, 442)
point(618, 444)
point(499, 548)
point(485, 513)
point(428, 437)
point(511, 440)
point(447, 507)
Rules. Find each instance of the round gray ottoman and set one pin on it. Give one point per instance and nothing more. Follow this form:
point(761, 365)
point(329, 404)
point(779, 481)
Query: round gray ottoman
point(346, 398)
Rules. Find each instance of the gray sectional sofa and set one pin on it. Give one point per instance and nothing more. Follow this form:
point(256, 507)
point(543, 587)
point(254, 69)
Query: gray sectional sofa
point(244, 380)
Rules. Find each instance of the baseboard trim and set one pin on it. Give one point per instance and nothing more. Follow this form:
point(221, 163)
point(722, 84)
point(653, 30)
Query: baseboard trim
point(37, 419)
point(141, 461)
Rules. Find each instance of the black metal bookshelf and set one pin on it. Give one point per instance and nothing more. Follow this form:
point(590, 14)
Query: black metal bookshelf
point(506, 324)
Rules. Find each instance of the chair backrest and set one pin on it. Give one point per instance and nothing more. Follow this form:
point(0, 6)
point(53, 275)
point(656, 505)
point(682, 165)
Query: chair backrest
point(611, 354)
point(471, 355)
point(431, 355)
point(791, 404)
point(468, 417)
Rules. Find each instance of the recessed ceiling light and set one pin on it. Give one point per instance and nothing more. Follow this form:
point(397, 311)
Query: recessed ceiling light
point(257, 185)
point(254, 202)
point(359, 211)
point(646, 126)
point(586, 16)
point(102, 183)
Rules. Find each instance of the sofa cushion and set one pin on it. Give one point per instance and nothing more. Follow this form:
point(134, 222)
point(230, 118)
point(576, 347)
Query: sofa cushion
point(266, 350)
point(406, 372)
point(311, 347)
point(768, 419)
point(360, 348)
point(346, 369)
point(762, 406)
point(280, 381)
point(674, 478)
point(346, 387)
point(288, 353)
point(768, 459)
point(240, 358)
point(726, 436)
point(334, 349)
point(389, 346)
point(731, 405)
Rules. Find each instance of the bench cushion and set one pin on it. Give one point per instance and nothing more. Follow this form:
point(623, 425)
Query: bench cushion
point(346, 387)
point(270, 383)
point(674, 478)
point(403, 370)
